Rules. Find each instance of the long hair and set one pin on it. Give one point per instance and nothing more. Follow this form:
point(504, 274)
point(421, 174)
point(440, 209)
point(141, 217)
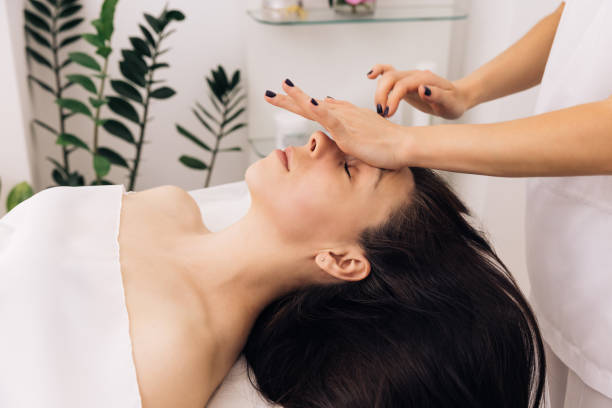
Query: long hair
point(439, 322)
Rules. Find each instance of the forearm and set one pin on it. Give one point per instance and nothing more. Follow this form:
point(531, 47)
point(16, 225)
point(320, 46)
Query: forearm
point(518, 68)
point(568, 142)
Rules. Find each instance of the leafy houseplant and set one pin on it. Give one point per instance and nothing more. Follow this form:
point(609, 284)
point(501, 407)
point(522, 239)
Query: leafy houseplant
point(49, 25)
point(138, 67)
point(226, 100)
point(102, 157)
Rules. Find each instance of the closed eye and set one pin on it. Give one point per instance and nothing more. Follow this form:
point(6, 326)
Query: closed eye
point(346, 168)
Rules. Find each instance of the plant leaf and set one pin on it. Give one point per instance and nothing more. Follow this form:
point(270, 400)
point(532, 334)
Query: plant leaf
point(140, 46)
point(126, 90)
point(36, 21)
point(104, 52)
point(235, 103)
point(70, 24)
point(45, 126)
point(201, 119)
point(69, 40)
point(41, 8)
point(74, 106)
point(118, 129)
point(193, 163)
point(204, 111)
point(134, 76)
point(163, 93)
point(64, 3)
point(40, 39)
point(38, 57)
point(235, 79)
point(84, 81)
point(217, 108)
point(96, 103)
point(42, 84)
point(158, 66)
point(105, 22)
point(67, 62)
point(113, 157)
point(135, 61)
point(123, 108)
point(231, 149)
point(69, 11)
point(101, 165)
point(58, 178)
point(175, 15)
point(155, 24)
point(192, 137)
point(147, 35)
point(59, 167)
point(94, 40)
point(85, 60)
point(67, 139)
point(234, 116)
point(18, 194)
point(233, 129)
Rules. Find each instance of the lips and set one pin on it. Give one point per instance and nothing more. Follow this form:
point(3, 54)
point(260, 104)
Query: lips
point(282, 156)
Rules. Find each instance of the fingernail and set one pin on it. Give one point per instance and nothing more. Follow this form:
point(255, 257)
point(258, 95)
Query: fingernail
point(330, 97)
point(427, 91)
point(386, 111)
point(315, 103)
point(379, 109)
point(288, 82)
point(270, 94)
point(370, 72)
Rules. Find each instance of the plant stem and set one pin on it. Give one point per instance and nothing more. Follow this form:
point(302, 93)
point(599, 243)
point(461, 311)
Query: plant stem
point(216, 149)
point(58, 86)
point(97, 117)
point(143, 124)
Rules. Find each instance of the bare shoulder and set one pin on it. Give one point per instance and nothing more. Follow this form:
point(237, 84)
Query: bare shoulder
point(171, 201)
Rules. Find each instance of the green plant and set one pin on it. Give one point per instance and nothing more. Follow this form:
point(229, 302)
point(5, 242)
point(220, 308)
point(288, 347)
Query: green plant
point(50, 25)
point(224, 97)
point(19, 193)
point(138, 67)
point(101, 40)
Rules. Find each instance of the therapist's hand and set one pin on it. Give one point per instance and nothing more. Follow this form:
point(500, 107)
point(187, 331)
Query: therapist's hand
point(359, 132)
point(424, 90)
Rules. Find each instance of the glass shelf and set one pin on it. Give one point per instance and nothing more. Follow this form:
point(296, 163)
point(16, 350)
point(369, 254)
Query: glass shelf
point(451, 10)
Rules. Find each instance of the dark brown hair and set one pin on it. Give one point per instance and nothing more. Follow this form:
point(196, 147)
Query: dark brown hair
point(439, 322)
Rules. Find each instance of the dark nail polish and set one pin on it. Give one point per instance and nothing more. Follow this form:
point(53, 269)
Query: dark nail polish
point(427, 91)
point(270, 94)
point(370, 72)
point(386, 111)
point(315, 103)
point(330, 97)
point(288, 82)
point(379, 109)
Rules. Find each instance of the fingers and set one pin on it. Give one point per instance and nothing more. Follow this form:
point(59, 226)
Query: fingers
point(287, 103)
point(379, 69)
point(384, 86)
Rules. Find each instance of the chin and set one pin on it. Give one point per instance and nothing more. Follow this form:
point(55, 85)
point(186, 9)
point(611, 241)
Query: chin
point(262, 179)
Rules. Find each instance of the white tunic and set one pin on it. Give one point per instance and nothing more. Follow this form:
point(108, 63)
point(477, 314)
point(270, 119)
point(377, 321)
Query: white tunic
point(569, 219)
point(64, 328)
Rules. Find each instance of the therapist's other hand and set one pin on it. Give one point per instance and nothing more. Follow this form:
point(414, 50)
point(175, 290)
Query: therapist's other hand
point(359, 132)
point(424, 90)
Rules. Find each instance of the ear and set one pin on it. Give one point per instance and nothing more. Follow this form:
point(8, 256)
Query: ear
point(348, 263)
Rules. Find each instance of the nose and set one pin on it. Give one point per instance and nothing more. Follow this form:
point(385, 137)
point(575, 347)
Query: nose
point(319, 144)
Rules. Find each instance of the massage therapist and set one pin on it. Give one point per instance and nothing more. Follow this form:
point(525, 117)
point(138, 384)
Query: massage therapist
point(565, 149)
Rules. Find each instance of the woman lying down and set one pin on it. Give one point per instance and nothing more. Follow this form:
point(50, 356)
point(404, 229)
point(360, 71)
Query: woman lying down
point(344, 286)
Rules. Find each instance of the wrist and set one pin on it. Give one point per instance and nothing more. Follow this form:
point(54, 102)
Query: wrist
point(469, 91)
point(409, 152)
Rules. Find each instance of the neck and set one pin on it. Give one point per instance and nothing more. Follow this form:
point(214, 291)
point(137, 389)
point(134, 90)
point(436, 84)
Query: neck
point(240, 270)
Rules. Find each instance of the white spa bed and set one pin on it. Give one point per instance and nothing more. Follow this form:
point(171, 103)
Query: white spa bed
point(221, 206)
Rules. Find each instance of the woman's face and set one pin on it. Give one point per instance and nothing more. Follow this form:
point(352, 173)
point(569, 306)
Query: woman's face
point(320, 195)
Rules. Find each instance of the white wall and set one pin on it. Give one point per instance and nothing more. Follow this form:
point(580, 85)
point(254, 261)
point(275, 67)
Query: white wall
point(15, 165)
point(498, 202)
